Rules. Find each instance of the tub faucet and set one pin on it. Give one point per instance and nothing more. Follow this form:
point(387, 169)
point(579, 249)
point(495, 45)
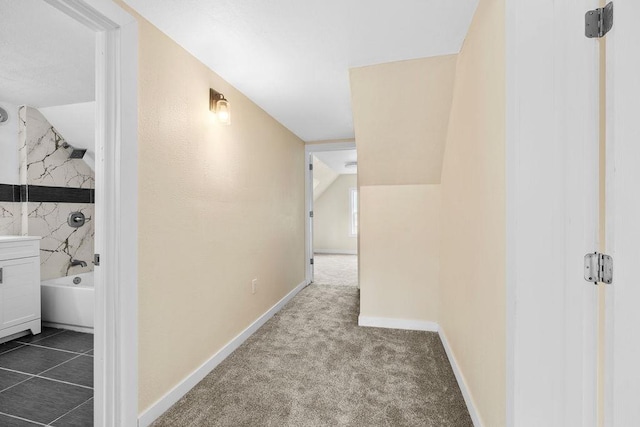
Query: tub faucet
point(75, 262)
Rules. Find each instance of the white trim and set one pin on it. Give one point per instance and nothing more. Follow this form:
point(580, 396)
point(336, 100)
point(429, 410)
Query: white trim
point(462, 383)
point(336, 251)
point(34, 326)
point(17, 335)
point(331, 146)
point(622, 342)
point(309, 149)
point(308, 221)
point(116, 312)
point(75, 328)
point(405, 324)
point(176, 393)
point(610, 235)
point(353, 224)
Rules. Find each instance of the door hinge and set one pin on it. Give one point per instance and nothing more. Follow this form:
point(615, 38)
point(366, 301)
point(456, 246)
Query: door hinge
point(598, 268)
point(310, 166)
point(310, 214)
point(96, 259)
point(599, 21)
point(311, 261)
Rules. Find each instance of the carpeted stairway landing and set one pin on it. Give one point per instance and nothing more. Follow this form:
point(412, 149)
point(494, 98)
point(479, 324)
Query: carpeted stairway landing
point(312, 365)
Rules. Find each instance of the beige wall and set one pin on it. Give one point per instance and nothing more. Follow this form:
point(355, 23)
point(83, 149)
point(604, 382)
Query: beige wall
point(472, 270)
point(332, 217)
point(399, 251)
point(323, 177)
point(401, 111)
point(219, 206)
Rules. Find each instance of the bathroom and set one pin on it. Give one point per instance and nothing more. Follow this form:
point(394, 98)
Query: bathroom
point(54, 203)
point(56, 196)
point(47, 217)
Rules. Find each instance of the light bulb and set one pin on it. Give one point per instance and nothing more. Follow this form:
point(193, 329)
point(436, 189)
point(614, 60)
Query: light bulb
point(223, 111)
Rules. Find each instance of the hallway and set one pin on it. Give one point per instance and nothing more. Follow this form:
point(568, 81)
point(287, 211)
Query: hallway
point(312, 365)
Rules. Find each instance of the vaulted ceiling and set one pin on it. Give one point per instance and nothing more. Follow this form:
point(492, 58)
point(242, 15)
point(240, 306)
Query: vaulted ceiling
point(292, 57)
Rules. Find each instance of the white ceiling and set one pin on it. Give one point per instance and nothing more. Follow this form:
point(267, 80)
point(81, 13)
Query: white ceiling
point(292, 57)
point(336, 160)
point(46, 57)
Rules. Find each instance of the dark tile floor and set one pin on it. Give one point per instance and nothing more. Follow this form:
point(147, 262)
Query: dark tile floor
point(47, 380)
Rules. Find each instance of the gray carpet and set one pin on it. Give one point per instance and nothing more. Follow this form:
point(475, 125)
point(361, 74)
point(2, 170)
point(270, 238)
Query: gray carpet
point(329, 269)
point(311, 365)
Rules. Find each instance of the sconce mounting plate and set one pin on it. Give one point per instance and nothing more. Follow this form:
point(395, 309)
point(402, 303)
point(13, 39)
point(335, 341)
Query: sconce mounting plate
point(214, 97)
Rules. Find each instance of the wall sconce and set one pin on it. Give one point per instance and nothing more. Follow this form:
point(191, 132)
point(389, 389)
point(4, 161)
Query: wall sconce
point(219, 105)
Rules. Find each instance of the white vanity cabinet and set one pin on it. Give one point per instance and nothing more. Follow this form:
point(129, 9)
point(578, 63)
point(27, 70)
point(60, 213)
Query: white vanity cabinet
point(19, 285)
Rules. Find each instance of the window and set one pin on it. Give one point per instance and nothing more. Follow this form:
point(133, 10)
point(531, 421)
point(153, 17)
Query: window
point(353, 196)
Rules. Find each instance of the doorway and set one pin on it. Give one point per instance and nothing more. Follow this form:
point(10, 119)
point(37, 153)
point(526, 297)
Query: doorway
point(49, 95)
point(335, 217)
point(113, 68)
point(332, 223)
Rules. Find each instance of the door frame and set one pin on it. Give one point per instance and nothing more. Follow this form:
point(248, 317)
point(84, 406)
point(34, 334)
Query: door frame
point(116, 278)
point(309, 149)
point(622, 341)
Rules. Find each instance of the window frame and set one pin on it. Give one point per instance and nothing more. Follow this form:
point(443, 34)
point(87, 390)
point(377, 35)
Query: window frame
point(353, 211)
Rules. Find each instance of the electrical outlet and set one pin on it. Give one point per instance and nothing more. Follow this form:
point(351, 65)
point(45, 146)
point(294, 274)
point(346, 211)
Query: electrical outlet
point(254, 283)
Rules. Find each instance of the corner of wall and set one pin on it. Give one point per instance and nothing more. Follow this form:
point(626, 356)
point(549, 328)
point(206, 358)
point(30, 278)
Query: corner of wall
point(472, 269)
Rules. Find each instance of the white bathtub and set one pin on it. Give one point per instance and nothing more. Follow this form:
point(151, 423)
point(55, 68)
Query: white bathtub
point(68, 305)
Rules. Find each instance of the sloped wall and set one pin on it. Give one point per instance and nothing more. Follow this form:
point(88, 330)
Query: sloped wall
point(332, 218)
point(401, 111)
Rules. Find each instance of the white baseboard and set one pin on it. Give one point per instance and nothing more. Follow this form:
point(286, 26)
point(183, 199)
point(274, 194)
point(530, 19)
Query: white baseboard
point(169, 399)
point(462, 383)
point(85, 329)
point(336, 251)
point(407, 324)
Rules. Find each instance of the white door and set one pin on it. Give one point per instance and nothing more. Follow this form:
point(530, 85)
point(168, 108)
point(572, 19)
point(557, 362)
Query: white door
point(552, 181)
point(310, 261)
point(622, 359)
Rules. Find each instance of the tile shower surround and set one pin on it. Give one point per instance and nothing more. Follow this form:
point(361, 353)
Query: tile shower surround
point(47, 379)
point(51, 187)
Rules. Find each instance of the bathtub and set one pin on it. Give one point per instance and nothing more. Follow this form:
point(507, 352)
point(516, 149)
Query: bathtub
point(68, 305)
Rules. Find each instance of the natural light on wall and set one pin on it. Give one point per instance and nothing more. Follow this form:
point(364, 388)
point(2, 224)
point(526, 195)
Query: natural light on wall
point(219, 106)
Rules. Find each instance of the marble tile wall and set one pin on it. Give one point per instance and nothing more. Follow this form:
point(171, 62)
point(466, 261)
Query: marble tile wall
point(10, 219)
point(61, 243)
point(45, 162)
